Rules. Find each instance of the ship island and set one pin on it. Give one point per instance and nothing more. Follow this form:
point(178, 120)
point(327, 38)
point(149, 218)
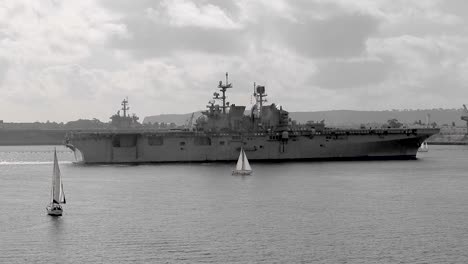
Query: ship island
point(265, 133)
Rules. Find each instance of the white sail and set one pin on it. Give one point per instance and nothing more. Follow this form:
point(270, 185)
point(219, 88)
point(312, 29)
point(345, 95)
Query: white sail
point(240, 163)
point(246, 163)
point(243, 166)
point(423, 147)
point(58, 196)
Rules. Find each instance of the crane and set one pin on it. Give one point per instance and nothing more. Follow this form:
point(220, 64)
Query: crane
point(464, 116)
point(190, 122)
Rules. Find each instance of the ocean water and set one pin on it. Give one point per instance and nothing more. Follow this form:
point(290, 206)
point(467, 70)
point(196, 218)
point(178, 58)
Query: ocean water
point(298, 212)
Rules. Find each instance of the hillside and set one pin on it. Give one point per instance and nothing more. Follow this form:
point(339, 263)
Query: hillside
point(351, 118)
point(179, 119)
point(346, 117)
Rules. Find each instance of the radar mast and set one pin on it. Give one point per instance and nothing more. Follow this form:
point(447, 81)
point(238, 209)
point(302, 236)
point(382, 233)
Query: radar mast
point(223, 87)
point(125, 107)
point(260, 97)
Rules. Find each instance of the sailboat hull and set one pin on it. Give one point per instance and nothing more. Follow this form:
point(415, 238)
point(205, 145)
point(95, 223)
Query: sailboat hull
point(54, 211)
point(241, 172)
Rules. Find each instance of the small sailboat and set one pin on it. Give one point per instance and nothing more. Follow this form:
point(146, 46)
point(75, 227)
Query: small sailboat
point(57, 194)
point(423, 147)
point(243, 166)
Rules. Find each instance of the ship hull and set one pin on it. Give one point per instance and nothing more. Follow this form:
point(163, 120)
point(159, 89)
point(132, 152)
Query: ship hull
point(151, 147)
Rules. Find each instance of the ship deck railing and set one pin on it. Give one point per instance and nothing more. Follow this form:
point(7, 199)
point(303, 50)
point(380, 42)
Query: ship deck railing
point(292, 133)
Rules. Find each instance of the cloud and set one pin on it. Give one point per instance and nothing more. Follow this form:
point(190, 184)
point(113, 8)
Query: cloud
point(453, 7)
point(159, 28)
point(338, 36)
point(149, 39)
point(3, 69)
point(40, 43)
point(349, 74)
point(181, 13)
point(168, 56)
point(54, 32)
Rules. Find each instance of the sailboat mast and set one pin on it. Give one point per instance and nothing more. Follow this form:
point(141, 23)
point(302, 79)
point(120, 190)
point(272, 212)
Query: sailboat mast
point(243, 159)
point(54, 179)
point(56, 182)
point(53, 185)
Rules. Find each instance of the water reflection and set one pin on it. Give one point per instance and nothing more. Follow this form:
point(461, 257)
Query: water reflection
point(56, 225)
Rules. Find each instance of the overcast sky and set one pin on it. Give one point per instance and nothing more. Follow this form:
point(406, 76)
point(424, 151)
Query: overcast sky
point(64, 60)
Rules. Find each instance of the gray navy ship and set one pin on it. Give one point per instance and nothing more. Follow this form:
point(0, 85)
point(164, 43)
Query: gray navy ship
point(266, 133)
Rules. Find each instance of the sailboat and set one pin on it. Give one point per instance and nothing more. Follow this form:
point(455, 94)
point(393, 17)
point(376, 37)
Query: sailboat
point(243, 166)
point(57, 194)
point(423, 147)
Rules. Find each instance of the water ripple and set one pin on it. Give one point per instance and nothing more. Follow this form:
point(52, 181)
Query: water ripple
point(304, 212)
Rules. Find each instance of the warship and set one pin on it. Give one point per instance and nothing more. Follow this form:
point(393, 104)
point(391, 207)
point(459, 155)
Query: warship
point(265, 133)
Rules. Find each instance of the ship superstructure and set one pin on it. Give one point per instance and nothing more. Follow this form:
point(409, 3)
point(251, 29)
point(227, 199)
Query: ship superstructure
point(266, 133)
